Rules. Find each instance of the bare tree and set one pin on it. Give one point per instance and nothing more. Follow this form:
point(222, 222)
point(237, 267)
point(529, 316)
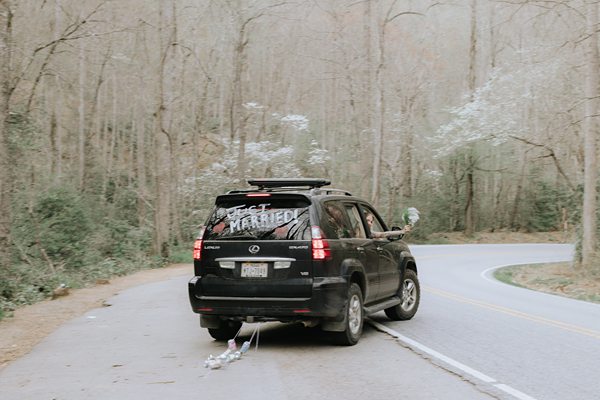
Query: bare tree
point(590, 129)
point(470, 158)
point(6, 19)
point(380, 99)
point(244, 18)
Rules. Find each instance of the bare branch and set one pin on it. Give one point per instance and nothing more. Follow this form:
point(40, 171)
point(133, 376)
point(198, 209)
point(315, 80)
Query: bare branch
point(404, 13)
point(551, 154)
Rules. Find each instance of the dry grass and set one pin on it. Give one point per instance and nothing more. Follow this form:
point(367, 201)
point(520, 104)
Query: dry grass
point(499, 237)
point(561, 279)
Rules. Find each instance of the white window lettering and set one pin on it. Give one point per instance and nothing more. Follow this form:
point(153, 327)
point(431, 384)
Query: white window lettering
point(234, 212)
point(279, 217)
point(289, 216)
point(234, 225)
point(264, 220)
point(259, 217)
point(245, 223)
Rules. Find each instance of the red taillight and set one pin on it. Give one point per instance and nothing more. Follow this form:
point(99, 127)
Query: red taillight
point(197, 249)
point(320, 247)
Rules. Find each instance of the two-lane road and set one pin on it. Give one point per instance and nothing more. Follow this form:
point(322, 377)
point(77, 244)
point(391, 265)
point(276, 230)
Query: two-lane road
point(532, 344)
point(503, 341)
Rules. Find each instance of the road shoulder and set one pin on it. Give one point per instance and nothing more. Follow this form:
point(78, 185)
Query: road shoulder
point(31, 324)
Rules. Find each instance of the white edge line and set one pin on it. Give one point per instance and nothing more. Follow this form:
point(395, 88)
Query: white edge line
point(433, 353)
point(514, 392)
point(488, 274)
point(473, 372)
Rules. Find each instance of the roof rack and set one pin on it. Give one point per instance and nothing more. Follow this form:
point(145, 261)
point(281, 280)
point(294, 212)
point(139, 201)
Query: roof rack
point(331, 191)
point(264, 183)
point(315, 185)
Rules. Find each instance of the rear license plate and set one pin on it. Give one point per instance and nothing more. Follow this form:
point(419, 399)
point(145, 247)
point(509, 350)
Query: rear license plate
point(255, 270)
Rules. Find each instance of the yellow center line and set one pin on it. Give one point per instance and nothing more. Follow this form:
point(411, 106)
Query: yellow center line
point(557, 324)
point(511, 252)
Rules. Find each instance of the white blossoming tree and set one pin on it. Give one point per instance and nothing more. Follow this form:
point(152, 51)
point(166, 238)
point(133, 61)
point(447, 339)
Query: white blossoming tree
point(523, 109)
point(264, 159)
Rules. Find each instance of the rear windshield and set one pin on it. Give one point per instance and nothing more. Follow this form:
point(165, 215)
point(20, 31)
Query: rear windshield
point(259, 218)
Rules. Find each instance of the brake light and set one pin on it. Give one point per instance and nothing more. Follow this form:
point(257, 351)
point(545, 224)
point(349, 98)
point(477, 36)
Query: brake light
point(197, 249)
point(320, 246)
point(258, 195)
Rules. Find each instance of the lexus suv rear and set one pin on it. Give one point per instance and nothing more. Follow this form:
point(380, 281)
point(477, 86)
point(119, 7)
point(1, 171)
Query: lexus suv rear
point(291, 250)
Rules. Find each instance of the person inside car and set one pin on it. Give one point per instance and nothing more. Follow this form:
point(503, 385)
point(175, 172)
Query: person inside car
point(336, 221)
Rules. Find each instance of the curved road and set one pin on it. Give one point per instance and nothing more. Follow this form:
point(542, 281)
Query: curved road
point(502, 342)
point(537, 345)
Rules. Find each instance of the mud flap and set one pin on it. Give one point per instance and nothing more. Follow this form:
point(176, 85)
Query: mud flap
point(337, 324)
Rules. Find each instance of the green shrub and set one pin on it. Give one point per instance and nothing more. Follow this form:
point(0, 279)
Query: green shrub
point(25, 284)
point(181, 254)
point(546, 204)
point(66, 237)
point(56, 225)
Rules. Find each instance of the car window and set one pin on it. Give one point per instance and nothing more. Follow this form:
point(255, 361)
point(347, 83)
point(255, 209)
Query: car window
point(358, 230)
point(259, 218)
point(371, 219)
point(336, 223)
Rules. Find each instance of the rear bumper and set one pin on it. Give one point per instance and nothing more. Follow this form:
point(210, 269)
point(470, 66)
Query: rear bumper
point(327, 300)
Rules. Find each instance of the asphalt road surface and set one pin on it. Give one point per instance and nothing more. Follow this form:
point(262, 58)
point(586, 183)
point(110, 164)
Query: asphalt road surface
point(473, 338)
point(534, 345)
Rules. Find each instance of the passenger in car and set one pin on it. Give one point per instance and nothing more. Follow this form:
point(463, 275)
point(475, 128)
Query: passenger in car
point(336, 221)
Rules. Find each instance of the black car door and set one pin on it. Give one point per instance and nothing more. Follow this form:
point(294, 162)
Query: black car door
point(368, 254)
point(387, 265)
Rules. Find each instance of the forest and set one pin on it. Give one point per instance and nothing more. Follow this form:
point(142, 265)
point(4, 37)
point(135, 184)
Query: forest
point(121, 120)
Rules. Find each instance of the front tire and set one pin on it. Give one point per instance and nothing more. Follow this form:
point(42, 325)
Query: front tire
point(410, 293)
point(354, 318)
point(226, 330)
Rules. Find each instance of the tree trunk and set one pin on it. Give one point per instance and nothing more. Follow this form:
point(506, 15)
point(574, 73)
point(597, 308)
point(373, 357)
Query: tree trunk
point(369, 76)
point(237, 120)
point(82, 127)
point(469, 207)
point(140, 135)
point(378, 132)
point(406, 163)
point(163, 147)
point(518, 191)
point(56, 129)
point(590, 131)
point(6, 168)
point(453, 169)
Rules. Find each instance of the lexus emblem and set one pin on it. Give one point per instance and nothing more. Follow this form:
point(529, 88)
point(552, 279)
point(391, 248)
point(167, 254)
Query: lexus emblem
point(254, 249)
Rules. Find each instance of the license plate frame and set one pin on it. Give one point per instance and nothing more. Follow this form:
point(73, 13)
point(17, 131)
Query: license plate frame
point(254, 270)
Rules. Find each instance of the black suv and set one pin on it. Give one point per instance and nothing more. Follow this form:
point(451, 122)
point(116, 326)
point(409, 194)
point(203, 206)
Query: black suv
point(291, 250)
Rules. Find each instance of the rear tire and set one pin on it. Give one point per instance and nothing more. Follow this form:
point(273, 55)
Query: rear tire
point(226, 330)
point(354, 318)
point(410, 293)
